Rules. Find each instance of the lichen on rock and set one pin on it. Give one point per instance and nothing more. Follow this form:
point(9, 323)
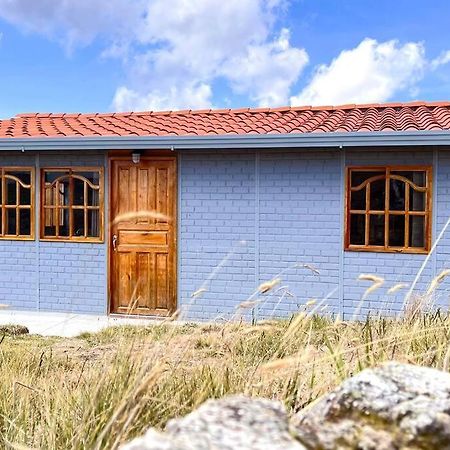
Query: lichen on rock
point(391, 407)
point(231, 423)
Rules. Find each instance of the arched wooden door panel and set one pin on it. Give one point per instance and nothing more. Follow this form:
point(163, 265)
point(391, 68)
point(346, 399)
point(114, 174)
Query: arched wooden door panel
point(143, 236)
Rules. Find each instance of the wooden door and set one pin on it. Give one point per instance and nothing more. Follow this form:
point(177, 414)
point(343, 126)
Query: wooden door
point(143, 236)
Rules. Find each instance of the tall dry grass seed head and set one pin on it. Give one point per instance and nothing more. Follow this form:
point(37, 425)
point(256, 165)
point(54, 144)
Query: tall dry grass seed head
point(437, 280)
point(268, 285)
point(397, 287)
point(377, 282)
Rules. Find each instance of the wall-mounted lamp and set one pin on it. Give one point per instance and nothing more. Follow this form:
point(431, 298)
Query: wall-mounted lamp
point(136, 157)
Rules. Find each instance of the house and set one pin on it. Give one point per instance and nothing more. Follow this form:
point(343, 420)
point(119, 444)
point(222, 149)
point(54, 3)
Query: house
point(135, 212)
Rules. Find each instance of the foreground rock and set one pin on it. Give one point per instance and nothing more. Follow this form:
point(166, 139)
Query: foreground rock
point(396, 406)
point(230, 423)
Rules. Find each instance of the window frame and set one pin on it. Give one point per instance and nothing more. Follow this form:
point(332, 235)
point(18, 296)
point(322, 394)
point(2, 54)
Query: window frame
point(78, 239)
point(31, 207)
point(427, 214)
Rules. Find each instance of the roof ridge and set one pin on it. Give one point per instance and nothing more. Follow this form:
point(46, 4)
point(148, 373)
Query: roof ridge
point(184, 112)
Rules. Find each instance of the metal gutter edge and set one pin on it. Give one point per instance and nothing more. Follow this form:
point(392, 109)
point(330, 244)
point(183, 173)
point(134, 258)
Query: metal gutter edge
point(250, 141)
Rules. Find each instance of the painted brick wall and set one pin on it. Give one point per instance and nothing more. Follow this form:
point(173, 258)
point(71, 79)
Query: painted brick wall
point(288, 208)
point(57, 276)
point(244, 219)
point(299, 223)
point(18, 274)
point(18, 259)
point(394, 268)
point(441, 258)
point(217, 235)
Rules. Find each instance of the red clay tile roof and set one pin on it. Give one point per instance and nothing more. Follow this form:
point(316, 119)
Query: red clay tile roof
point(415, 116)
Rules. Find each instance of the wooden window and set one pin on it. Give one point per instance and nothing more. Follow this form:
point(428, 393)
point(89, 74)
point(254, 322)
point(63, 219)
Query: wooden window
point(388, 209)
point(72, 204)
point(17, 203)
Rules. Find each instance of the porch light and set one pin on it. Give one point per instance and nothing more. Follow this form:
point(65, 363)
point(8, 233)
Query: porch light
point(136, 157)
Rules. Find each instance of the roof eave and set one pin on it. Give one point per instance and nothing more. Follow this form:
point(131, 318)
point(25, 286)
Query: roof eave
point(246, 141)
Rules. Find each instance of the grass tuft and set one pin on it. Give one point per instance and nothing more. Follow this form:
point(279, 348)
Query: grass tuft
point(99, 390)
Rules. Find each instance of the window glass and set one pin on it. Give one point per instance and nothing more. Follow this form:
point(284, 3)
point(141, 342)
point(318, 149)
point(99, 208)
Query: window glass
point(11, 221)
point(416, 231)
point(376, 229)
point(78, 222)
point(358, 200)
point(377, 195)
point(397, 231)
point(357, 229)
point(93, 222)
point(358, 177)
point(397, 195)
point(416, 200)
point(25, 222)
point(78, 191)
point(11, 191)
point(416, 176)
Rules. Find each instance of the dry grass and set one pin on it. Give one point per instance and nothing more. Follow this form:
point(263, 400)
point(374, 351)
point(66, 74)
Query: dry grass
point(98, 390)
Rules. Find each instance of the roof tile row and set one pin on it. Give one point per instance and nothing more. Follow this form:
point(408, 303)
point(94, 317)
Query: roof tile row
point(306, 119)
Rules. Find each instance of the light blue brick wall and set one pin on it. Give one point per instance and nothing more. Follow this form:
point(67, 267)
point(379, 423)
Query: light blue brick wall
point(246, 218)
point(299, 223)
point(56, 276)
point(217, 235)
point(288, 208)
point(441, 258)
point(18, 274)
point(18, 259)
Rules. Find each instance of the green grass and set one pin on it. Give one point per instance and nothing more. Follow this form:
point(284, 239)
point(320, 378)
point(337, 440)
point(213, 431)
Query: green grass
point(99, 390)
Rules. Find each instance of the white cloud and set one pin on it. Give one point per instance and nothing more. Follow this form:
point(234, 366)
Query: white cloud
point(175, 52)
point(371, 72)
point(208, 41)
point(267, 71)
point(75, 22)
point(196, 96)
point(442, 59)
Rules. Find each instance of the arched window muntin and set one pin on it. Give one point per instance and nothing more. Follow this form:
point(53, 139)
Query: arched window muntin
point(72, 204)
point(17, 203)
point(388, 208)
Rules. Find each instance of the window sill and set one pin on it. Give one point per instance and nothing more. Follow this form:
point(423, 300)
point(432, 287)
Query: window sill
point(17, 238)
point(74, 241)
point(409, 251)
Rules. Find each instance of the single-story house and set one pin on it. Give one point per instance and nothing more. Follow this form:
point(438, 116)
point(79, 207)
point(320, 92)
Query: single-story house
point(148, 213)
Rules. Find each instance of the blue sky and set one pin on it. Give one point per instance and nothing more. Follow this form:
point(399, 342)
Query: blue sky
point(113, 55)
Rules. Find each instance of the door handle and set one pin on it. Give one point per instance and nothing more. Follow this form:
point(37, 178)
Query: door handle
point(114, 242)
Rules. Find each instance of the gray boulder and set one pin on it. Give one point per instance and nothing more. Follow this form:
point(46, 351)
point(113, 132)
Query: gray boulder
point(395, 406)
point(228, 424)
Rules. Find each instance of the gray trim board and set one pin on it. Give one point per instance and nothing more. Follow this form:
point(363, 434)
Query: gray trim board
point(246, 141)
point(37, 225)
point(434, 205)
point(342, 195)
point(257, 219)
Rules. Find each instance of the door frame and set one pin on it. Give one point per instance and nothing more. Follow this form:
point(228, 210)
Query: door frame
point(125, 155)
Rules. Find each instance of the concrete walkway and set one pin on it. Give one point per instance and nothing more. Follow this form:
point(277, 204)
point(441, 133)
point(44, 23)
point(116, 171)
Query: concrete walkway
point(66, 324)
